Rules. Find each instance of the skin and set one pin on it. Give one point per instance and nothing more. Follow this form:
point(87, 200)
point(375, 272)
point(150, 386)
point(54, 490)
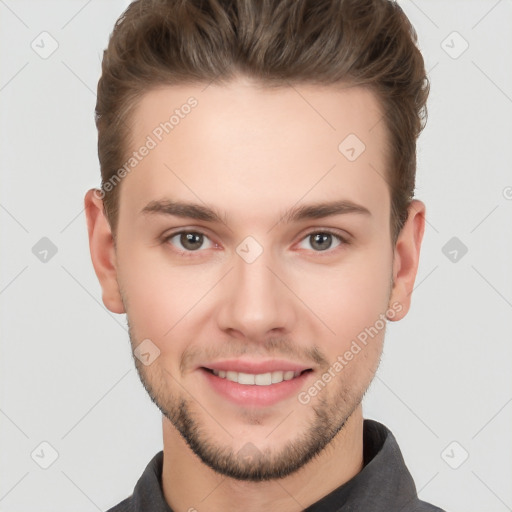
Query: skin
point(253, 153)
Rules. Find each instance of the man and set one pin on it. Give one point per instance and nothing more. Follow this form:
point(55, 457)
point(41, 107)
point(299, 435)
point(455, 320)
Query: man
point(256, 225)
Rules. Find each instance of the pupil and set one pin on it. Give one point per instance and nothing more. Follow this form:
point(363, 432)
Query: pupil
point(191, 240)
point(322, 237)
point(194, 240)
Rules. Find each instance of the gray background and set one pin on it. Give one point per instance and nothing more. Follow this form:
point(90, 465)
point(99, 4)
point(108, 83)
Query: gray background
point(67, 377)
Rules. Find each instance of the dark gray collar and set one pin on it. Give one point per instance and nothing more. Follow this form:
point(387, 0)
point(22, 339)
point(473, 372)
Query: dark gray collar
point(383, 485)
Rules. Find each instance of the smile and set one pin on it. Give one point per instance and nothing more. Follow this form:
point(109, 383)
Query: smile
point(260, 379)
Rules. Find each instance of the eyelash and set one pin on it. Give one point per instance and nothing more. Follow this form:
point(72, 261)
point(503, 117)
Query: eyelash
point(189, 254)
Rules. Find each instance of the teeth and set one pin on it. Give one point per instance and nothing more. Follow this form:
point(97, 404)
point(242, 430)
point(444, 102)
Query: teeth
point(277, 377)
point(245, 378)
point(261, 379)
point(232, 376)
point(288, 375)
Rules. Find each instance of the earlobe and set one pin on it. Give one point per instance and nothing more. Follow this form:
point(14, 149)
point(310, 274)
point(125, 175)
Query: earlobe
point(101, 245)
point(406, 258)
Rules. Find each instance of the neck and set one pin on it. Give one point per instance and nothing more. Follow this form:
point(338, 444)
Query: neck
point(188, 484)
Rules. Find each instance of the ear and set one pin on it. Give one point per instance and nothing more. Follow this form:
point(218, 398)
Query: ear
point(103, 255)
point(406, 257)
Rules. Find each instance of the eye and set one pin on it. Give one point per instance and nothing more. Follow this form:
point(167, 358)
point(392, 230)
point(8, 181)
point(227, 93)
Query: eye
point(189, 241)
point(321, 241)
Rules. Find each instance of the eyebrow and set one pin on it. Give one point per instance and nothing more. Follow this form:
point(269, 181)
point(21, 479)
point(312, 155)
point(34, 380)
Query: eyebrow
point(296, 214)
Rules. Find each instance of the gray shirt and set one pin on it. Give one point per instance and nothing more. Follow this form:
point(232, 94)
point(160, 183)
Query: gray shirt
point(383, 485)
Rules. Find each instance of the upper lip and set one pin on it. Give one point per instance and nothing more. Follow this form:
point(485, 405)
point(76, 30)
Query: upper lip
point(255, 367)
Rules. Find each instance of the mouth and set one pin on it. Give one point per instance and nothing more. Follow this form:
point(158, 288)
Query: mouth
point(258, 379)
point(258, 385)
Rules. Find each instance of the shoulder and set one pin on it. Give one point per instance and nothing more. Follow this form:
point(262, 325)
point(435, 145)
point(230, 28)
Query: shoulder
point(422, 506)
point(147, 493)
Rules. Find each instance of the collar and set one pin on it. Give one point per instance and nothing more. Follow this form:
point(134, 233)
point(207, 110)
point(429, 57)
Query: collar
point(384, 484)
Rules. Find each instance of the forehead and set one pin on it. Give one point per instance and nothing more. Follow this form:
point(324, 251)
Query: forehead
point(237, 143)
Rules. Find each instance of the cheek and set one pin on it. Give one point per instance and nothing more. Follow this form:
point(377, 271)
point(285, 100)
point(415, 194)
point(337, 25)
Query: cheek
point(343, 300)
point(157, 296)
point(349, 298)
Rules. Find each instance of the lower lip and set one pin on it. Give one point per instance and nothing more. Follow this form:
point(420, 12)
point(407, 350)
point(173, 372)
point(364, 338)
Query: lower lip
point(254, 395)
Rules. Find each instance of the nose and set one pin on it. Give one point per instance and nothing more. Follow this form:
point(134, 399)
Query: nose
point(256, 301)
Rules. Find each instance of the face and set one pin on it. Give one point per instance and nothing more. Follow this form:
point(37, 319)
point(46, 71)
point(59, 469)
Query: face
point(254, 253)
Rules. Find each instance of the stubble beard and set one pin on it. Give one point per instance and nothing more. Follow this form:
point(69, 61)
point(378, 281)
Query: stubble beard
point(330, 414)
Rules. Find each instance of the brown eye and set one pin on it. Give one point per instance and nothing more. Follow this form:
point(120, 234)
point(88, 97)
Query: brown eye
point(191, 241)
point(188, 241)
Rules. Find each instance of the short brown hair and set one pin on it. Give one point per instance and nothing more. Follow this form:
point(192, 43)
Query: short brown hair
point(370, 43)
